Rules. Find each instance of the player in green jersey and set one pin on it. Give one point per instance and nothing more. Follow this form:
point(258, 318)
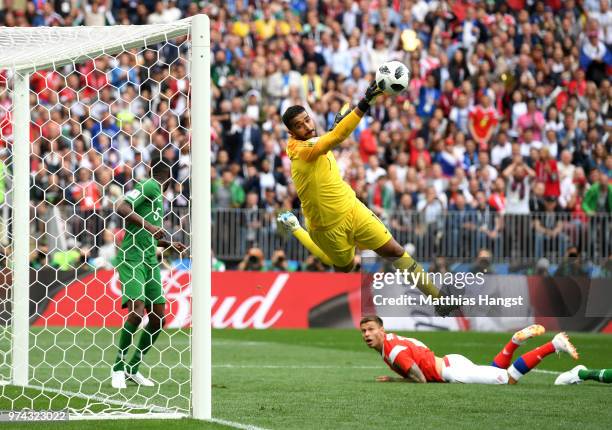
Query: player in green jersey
point(138, 267)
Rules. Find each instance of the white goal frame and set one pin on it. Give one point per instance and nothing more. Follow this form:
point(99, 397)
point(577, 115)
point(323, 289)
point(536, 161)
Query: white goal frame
point(199, 28)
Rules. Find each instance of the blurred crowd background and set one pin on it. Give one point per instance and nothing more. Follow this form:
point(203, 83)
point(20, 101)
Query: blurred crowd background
point(501, 144)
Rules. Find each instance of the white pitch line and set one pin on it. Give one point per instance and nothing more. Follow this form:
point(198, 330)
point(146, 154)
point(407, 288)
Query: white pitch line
point(274, 366)
point(548, 372)
point(269, 366)
point(290, 366)
point(236, 425)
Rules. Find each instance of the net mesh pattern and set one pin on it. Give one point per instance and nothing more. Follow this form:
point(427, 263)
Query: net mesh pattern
point(107, 104)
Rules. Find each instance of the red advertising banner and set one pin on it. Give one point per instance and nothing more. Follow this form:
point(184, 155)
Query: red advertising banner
point(239, 300)
point(287, 300)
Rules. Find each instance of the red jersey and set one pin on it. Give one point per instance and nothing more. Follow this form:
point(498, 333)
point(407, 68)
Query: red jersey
point(400, 353)
point(484, 120)
point(552, 186)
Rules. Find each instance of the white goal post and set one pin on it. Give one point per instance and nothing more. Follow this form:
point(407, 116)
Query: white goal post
point(25, 51)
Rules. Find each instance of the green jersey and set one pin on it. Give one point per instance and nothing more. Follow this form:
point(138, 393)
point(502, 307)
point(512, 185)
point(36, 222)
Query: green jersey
point(139, 245)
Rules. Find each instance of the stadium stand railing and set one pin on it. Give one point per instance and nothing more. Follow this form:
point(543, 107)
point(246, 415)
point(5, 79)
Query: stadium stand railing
point(458, 236)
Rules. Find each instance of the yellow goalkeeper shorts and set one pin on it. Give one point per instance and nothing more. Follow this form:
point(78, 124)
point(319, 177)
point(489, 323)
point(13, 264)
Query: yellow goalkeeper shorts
point(360, 227)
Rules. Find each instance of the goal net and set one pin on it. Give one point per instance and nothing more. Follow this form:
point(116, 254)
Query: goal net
point(83, 111)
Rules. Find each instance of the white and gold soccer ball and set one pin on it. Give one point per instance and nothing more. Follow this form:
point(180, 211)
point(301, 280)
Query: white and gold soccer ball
point(392, 77)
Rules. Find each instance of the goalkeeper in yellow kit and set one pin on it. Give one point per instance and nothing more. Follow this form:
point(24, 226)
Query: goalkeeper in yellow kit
point(335, 219)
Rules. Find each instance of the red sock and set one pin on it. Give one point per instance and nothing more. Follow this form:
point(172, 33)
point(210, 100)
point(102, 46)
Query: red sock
point(503, 359)
point(528, 361)
point(533, 357)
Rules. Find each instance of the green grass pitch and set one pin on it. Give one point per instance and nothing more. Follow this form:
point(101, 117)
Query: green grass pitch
point(319, 379)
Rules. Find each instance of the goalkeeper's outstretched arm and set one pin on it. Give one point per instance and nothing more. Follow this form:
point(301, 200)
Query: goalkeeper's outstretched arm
point(343, 129)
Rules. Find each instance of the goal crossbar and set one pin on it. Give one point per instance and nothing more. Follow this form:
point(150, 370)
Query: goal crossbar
point(28, 49)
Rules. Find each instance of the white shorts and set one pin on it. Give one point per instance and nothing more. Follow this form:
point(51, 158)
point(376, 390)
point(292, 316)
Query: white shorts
point(457, 368)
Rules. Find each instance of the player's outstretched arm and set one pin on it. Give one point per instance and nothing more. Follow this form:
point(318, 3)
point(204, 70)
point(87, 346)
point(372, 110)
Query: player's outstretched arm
point(125, 211)
point(343, 129)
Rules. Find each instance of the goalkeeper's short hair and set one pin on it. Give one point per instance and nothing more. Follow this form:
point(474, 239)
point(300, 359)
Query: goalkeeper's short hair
point(291, 113)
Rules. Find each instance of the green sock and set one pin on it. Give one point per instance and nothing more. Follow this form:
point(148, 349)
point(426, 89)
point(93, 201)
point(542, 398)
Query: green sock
point(125, 340)
point(601, 375)
point(146, 341)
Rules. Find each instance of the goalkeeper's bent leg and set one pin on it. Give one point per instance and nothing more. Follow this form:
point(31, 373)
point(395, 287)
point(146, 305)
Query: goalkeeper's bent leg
point(406, 262)
point(305, 239)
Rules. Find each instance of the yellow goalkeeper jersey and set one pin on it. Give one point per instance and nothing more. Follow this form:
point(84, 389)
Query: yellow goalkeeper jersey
point(325, 197)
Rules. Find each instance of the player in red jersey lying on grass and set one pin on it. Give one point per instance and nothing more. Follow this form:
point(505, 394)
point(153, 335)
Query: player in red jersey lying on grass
point(415, 362)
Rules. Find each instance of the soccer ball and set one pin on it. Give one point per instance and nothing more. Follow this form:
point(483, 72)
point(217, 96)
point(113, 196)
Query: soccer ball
point(392, 77)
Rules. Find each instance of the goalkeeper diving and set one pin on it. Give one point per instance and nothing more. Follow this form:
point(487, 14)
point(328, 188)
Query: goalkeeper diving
point(336, 221)
point(138, 267)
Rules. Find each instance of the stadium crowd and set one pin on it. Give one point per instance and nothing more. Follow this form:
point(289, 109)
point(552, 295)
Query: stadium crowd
point(504, 133)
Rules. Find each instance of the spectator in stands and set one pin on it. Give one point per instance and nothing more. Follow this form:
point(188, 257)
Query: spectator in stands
point(501, 149)
point(226, 192)
point(460, 113)
point(489, 224)
point(252, 261)
point(532, 120)
point(313, 264)
point(546, 172)
point(107, 251)
point(565, 166)
point(428, 97)
point(403, 220)
point(518, 189)
point(598, 198)
point(280, 82)
point(269, 52)
point(278, 262)
point(381, 198)
point(482, 122)
point(87, 194)
point(549, 235)
point(536, 200)
point(594, 55)
point(431, 210)
point(484, 262)
point(251, 222)
point(461, 225)
point(572, 264)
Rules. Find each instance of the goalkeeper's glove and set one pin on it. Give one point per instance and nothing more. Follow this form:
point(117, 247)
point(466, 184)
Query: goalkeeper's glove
point(344, 111)
point(369, 97)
